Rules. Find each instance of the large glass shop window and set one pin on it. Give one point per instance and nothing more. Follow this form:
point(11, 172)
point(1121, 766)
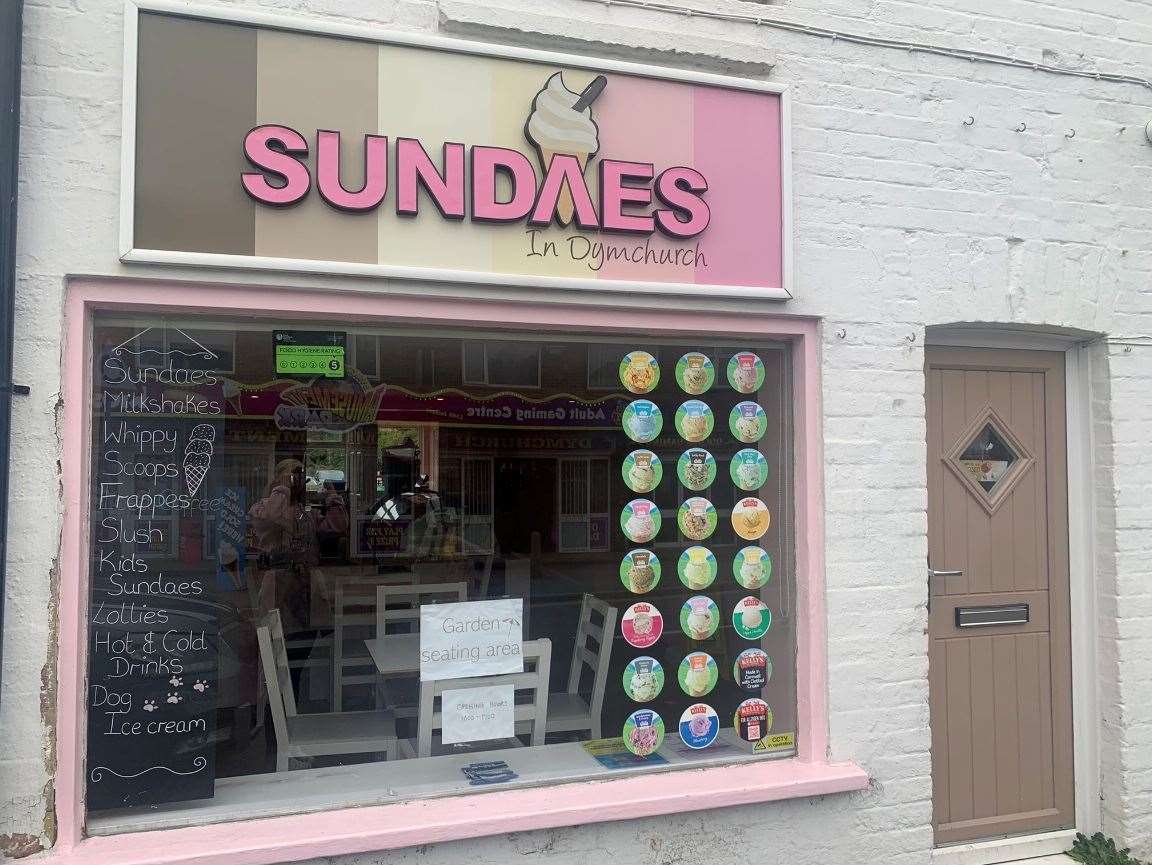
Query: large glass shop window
point(401, 563)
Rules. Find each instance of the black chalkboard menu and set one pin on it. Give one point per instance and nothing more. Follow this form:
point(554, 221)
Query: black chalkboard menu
point(152, 621)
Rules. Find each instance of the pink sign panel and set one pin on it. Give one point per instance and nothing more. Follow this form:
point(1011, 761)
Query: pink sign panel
point(461, 162)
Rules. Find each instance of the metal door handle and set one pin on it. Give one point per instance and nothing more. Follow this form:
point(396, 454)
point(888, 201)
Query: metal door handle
point(933, 573)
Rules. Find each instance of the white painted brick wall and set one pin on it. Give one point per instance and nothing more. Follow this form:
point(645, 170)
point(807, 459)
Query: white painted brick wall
point(904, 218)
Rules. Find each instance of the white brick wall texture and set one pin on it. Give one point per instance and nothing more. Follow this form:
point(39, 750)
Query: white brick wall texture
point(904, 217)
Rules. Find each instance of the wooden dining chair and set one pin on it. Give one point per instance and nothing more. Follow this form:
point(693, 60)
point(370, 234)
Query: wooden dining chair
point(568, 711)
point(530, 715)
point(400, 605)
point(323, 734)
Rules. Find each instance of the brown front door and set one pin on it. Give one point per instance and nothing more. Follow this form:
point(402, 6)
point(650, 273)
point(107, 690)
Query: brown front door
point(999, 645)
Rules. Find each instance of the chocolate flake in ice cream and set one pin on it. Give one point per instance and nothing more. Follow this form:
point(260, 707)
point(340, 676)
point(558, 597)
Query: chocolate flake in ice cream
point(561, 123)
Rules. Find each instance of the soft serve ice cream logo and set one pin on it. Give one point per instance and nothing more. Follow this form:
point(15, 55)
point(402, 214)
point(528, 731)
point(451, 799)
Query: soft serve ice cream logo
point(487, 184)
point(561, 124)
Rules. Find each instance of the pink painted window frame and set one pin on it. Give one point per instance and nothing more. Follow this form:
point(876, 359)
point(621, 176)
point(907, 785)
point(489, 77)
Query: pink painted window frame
point(380, 827)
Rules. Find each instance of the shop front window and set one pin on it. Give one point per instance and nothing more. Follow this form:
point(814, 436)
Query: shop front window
point(336, 565)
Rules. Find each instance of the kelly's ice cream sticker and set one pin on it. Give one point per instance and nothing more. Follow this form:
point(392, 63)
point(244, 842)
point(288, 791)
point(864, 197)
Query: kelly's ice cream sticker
point(643, 732)
point(695, 373)
point(752, 567)
point(694, 420)
point(751, 618)
point(642, 420)
point(747, 422)
point(753, 720)
point(640, 521)
point(697, 674)
point(642, 625)
point(748, 469)
point(696, 518)
point(752, 670)
point(639, 372)
point(697, 568)
point(745, 372)
point(696, 469)
point(643, 679)
point(699, 617)
point(699, 725)
point(640, 571)
point(750, 518)
point(642, 471)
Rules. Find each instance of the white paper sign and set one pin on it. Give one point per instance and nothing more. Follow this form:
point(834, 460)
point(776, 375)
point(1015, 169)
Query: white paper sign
point(476, 714)
point(475, 638)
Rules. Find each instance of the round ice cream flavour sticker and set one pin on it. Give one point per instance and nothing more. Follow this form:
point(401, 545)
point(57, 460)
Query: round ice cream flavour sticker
point(640, 521)
point(745, 372)
point(694, 420)
point(696, 518)
point(697, 568)
point(751, 618)
point(752, 670)
point(699, 617)
point(696, 469)
point(639, 372)
point(643, 679)
point(643, 732)
point(642, 471)
point(750, 518)
point(697, 674)
point(640, 571)
point(747, 422)
point(641, 625)
point(752, 567)
point(695, 373)
point(699, 725)
point(752, 720)
point(642, 420)
point(748, 469)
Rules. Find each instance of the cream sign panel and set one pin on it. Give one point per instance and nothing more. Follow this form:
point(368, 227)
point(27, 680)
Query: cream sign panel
point(278, 147)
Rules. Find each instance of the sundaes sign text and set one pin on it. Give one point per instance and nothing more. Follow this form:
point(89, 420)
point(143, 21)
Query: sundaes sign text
point(465, 184)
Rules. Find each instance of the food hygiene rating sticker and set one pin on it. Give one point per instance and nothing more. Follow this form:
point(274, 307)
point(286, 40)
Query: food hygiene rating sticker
point(310, 353)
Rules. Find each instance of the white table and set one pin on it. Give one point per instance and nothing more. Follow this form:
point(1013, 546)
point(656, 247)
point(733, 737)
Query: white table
point(396, 653)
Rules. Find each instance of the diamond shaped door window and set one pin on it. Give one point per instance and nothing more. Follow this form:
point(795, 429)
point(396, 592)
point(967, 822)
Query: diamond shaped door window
point(987, 458)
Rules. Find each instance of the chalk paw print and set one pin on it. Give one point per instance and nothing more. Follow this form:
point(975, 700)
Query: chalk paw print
point(175, 698)
point(200, 686)
point(149, 706)
point(175, 681)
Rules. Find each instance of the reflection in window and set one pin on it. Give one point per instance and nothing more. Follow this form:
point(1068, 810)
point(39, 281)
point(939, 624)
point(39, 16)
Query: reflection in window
point(336, 518)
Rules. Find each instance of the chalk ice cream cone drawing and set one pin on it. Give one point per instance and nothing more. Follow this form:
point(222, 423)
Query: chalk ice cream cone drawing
point(561, 123)
point(198, 456)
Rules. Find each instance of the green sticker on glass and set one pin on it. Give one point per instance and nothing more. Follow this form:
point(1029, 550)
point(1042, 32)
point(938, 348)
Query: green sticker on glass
point(748, 469)
point(694, 420)
point(752, 568)
point(642, 471)
point(640, 521)
point(745, 372)
point(696, 469)
point(643, 732)
point(695, 373)
point(751, 618)
point(697, 674)
point(640, 571)
point(642, 420)
point(639, 372)
point(699, 617)
point(643, 679)
point(696, 518)
point(307, 352)
point(747, 422)
point(697, 568)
